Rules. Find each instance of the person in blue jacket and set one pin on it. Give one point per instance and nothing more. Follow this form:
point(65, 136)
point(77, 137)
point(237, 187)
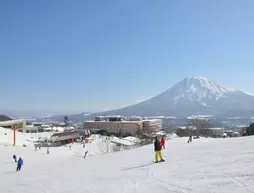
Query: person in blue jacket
point(20, 164)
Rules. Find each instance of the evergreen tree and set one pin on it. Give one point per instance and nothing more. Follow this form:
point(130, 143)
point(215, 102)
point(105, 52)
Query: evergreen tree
point(250, 129)
point(66, 121)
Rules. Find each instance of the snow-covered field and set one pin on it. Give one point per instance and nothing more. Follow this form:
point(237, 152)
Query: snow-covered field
point(206, 165)
point(22, 138)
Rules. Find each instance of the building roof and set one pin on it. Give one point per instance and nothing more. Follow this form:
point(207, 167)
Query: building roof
point(116, 122)
point(67, 133)
point(11, 122)
point(122, 142)
point(216, 128)
point(127, 141)
point(132, 139)
point(114, 116)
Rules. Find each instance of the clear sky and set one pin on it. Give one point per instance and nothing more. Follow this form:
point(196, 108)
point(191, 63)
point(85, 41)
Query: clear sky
point(91, 55)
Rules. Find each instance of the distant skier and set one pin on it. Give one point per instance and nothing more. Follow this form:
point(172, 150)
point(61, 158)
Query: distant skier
point(163, 142)
point(85, 154)
point(15, 158)
point(157, 149)
point(47, 150)
point(190, 139)
point(70, 147)
point(244, 133)
point(20, 164)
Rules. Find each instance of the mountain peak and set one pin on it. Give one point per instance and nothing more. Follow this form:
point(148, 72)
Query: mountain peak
point(196, 78)
point(199, 88)
point(207, 83)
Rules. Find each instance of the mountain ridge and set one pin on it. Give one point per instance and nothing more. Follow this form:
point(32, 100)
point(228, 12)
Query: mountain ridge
point(191, 96)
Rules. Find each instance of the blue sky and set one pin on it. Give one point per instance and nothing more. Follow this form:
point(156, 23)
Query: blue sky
point(91, 55)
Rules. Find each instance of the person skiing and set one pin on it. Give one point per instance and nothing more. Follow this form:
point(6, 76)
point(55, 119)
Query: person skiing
point(190, 139)
point(163, 142)
point(19, 165)
point(157, 149)
point(15, 158)
point(85, 154)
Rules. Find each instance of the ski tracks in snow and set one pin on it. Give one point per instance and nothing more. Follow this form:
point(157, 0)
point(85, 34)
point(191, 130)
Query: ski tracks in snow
point(167, 186)
point(238, 181)
point(130, 184)
point(147, 178)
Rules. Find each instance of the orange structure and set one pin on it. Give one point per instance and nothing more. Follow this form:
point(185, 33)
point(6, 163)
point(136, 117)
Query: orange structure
point(14, 135)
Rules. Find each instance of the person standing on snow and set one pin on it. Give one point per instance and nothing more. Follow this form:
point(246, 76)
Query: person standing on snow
point(20, 164)
point(15, 158)
point(157, 149)
point(190, 139)
point(163, 142)
point(85, 154)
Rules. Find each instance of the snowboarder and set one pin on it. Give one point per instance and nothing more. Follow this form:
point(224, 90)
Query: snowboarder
point(157, 149)
point(15, 158)
point(19, 165)
point(163, 142)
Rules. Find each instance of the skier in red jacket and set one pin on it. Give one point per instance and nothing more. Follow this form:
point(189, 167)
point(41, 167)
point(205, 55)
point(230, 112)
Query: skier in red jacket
point(163, 142)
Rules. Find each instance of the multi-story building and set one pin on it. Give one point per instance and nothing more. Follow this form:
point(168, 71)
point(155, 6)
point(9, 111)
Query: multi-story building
point(120, 124)
point(153, 125)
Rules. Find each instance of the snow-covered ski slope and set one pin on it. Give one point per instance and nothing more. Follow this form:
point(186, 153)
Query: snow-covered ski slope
point(206, 165)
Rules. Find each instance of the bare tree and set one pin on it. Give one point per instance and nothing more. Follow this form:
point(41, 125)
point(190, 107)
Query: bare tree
point(106, 146)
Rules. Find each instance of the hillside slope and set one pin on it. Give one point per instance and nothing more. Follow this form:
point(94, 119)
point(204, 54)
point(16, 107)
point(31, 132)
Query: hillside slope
point(205, 166)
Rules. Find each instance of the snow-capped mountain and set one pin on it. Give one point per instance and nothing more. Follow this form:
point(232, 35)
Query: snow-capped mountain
point(193, 96)
point(199, 89)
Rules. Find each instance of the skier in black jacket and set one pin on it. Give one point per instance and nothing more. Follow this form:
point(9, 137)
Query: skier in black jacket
point(157, 149)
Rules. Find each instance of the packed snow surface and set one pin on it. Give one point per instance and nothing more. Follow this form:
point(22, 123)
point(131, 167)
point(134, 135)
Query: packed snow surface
point(204, 166)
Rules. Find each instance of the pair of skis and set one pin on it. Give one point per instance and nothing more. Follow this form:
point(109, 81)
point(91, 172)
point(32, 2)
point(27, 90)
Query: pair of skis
point(159, 161)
